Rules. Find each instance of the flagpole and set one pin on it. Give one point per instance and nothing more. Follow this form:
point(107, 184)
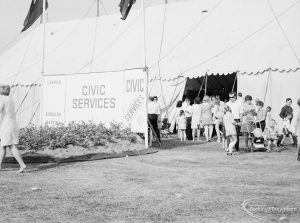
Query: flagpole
point(43, 59)
point(98, 11)
point(145, 69)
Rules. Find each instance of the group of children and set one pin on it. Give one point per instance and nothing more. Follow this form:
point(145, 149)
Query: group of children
point(267, 129)
point(264, 126)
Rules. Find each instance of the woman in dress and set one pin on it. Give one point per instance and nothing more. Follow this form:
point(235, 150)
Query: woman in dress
point(230, 130)
point(207, 118)
point(8, 128)
point(218, 113)
point(247, 117)
point(196, 114)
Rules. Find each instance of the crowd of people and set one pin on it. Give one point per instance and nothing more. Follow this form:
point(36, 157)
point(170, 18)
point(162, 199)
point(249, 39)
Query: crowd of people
point(228, 120)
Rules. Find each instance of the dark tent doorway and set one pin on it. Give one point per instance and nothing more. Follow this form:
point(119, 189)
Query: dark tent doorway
point(216, 85)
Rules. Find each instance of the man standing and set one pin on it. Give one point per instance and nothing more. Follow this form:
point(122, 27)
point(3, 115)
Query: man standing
point(287, 109)
point(235, 107)
point(153, 113)
point(187, 108)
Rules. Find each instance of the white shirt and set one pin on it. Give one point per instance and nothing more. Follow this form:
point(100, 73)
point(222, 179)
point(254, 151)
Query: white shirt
point(153, 108)
point(235, 108)
point(240, 100)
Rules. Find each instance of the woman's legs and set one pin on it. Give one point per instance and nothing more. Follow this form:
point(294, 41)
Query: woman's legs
point(233, 140)
point(217, 128)
point(211, 129)
point(246, 140)
point(16, 153)
point(206, 132)
point(178, 132)
point(269, 145)
point(198, 134)
point(2, 155)
point(298, 152)
point(193, 133)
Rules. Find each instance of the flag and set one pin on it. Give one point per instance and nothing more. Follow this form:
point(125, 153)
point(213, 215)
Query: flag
point(35, 10)
point(125, 6)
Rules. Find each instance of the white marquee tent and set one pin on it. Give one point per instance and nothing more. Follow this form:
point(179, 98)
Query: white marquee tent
point(258, 39)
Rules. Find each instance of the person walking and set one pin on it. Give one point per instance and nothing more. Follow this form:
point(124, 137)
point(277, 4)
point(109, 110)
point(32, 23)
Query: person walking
point(235, 107)
point(8, 128)
point(218, 116)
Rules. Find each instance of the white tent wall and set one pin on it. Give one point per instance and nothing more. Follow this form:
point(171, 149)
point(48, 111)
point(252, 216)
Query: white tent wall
point(272, 87)
point(27, 104)
point(182, 39)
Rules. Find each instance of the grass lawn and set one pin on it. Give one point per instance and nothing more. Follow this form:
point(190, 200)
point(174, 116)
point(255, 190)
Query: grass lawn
point(185, 182)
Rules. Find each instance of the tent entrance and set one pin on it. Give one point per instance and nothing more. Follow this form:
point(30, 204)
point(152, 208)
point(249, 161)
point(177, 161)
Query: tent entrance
point(216, 85)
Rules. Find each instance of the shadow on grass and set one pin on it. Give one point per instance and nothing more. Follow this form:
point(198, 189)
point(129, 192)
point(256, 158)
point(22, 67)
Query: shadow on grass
point(35, 167)
point(173, 143)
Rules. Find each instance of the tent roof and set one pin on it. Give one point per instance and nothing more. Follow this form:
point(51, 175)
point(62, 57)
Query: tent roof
point(183, 39)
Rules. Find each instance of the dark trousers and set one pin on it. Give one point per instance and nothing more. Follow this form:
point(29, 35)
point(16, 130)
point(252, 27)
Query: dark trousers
point(238, 131)
point(188, 130)
point(281, 137)
point(153, 121)
point(261, 125)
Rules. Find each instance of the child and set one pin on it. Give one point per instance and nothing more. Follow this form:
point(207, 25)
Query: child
point(230, 130)
point(271, 135)
point(260, 116)
point(286, 128)
point(268, 116)
point(182, 125)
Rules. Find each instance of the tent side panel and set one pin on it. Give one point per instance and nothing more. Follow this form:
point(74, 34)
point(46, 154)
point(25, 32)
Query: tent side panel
point(27, 101)
point(168, 92)
point(272, 88)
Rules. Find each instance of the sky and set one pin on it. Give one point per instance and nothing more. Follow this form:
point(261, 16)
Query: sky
point(13, 13)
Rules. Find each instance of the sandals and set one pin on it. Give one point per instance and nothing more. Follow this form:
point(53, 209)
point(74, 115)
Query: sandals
point(22, 169)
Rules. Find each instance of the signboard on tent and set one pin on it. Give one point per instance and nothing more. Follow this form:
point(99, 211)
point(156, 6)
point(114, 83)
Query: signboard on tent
point(98, 97)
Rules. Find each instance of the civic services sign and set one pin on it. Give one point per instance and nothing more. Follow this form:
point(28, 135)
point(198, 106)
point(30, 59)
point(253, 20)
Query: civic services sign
point(99, 97)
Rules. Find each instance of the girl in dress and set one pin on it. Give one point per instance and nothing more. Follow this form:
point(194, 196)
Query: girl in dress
point(207, 117)
point(218, 116)
point(196, 115)
point(247, 115)
point(268, 116)
point(230, 131)
point(182, 125)
point(8, 128)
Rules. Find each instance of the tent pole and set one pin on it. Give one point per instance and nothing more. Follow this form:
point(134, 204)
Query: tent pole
point(145, 70)
point(234, 81)
point(43, 61)
point(98, 12)
point(205, 83)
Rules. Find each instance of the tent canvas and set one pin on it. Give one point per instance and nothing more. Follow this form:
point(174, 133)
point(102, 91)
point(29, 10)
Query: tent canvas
point(186, 39)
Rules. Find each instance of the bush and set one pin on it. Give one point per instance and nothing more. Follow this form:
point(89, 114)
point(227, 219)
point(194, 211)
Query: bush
point(75, 133)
